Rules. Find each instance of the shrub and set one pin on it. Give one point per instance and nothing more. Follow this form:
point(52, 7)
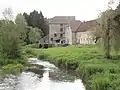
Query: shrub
point(42, 55)
point(30, 52)
point(12, 69)
point(10, 48)
point(72, 64)
point(22, 60)
point(36, 45)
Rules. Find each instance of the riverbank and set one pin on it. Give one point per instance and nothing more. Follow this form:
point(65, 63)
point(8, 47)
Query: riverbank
point(42, 75)
point(13, 66)
point(96, 72)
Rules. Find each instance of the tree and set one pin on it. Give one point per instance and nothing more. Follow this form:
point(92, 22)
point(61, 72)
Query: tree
point(108, 26)
point(8, 14)
point(35, 35)
point(28, 34)
point(9, 41)
point(44, 24)
point(97, 32)
point(36, 19)
point(21, 26)
point(27, 40)
point(110, 31)
point(9, 37)
point(26, 17)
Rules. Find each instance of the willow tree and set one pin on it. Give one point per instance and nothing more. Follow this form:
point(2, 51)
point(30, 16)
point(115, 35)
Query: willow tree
point(110, 31)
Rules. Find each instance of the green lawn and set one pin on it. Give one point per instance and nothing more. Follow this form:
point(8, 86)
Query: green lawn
point(97, 72)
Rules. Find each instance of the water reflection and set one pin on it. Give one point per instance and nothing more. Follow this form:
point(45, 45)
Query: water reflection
point(45, 83)
point(48, 78)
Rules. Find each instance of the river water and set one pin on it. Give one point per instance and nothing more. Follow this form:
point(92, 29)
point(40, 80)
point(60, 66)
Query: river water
point(47, 78)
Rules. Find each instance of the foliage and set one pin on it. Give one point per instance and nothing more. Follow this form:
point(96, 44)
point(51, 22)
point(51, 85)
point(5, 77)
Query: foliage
point(9, 41)
point(21, 26)
point(35, 35)
point(36, 19)
point(12, 69)
point(10, 33)
point(29, 52)
point(28, 34)
point(109, 27)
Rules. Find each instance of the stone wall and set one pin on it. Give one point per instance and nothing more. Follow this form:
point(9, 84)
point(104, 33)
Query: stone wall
point(56, 29)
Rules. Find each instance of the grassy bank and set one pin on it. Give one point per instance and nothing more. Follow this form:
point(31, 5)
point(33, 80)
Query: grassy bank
point(97, 72)
point(13, 65)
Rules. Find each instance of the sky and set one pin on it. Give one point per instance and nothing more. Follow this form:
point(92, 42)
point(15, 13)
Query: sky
point(84, 10)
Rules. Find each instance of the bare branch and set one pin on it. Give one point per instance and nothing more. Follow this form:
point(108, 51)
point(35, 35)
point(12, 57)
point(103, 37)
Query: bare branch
point(8, 14)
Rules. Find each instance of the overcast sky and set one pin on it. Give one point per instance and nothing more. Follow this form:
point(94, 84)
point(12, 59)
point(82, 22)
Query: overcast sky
point(82, 9)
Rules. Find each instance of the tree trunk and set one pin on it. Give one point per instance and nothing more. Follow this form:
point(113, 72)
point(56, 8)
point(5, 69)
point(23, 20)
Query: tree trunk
point(107, 41)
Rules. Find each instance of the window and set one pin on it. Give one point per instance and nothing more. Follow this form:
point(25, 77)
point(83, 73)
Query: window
point(61, 29)
point(51, 39)
point(57, 41)
point(61, 42)
point(61, 25)
point(55, 35)
point(61, 35)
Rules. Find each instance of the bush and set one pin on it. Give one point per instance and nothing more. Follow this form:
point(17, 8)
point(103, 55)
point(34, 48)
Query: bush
point(36, 45)
point(12, 69)
point(30, 52)
point(72, 64)
point(22, 60)
point(42, 55)
point(10, 48)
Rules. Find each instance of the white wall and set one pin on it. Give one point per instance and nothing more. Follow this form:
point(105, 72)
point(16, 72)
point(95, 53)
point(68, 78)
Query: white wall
point(68, 35)
point(85, 38)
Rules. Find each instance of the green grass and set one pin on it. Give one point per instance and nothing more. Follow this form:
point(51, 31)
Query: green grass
point(97, 72)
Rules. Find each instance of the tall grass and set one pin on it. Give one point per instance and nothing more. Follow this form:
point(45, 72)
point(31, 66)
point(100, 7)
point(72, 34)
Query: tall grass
point(97, 72)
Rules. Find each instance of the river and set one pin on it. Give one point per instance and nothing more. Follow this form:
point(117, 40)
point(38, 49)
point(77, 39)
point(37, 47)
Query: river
point(47, 78)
